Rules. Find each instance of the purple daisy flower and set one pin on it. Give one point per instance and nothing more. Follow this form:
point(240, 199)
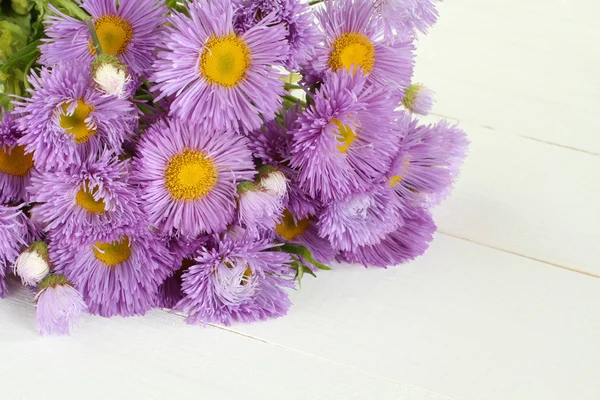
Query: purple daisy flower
point(405, 243)
point(16, 232)
point(418, 99)
point(346, 139)
point(84, 198)
point(292, 14)
point(361, 218)
point(401, 19)
point(130, 31)
point(304, 231)
point(183, 251)
point(429, 159)
point(66, 115)
point(258, 210)
point(222, 79)
point(273, 145)
point(189, 176)
point(236, 281)
point(117, 272)
point(352, 40)
point(58, 305)
point(16, 166)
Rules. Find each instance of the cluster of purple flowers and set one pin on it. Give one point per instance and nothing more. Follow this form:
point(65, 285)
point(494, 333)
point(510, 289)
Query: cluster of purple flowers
point(203, 158)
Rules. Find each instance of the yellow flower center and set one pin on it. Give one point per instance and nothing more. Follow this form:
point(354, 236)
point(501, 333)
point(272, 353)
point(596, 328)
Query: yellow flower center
point(113, 253)
point(114, 34)
point(289, 229)
point(15, 161)
point(225, 60)
point(352, 50)
point(346, 136)
point(85, 199)
point(190, 175)
point(396, 179)
point(75, 124)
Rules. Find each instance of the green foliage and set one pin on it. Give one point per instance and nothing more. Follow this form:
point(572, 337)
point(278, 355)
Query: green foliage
point(299, 254)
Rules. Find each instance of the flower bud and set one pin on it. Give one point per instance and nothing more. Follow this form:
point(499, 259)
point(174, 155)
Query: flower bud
point(418, 99)
point(273, 181)
point(110, 75)
point(33, 264)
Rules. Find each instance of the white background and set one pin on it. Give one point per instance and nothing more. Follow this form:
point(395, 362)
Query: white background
point(504, 306)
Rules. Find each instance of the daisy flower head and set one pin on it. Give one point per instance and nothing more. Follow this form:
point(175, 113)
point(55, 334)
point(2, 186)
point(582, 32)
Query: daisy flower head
point(128, 29)
point(118, 272)
point(58, 305)
point(401, 19)
point(351, 40)
point(428, 161)
point(292, 14)
point(223, 80)
point(189, 176)
point(16, 166)
point(81, 198)
point(16, 232)
point(66, 116)
point(408, 241)
point(346, 140)
point(360, 219)
point(236, 280)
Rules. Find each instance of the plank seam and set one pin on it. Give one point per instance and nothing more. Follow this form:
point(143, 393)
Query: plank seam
point(519, 254)
point(235, 332)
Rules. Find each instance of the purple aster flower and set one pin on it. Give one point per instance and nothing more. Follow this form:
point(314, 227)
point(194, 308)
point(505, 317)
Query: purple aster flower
point(401, 19)
point(346, 140)
point(236, 281)
point(16, 232)
point(86, 197)
point(352, 40)
point(189, 176)
point(258, 210)
point(405, 243)
point(117, 272)
point(66, 115)
point(183, 250)
point(273, 145)
point(222, 79)
point(304, 231)
point(292, 14)
point(58, 305)
point(16, 166)
point(429, 159)
point(273, 181)
point(360, 219)
point(130, 31)
point(418, 99)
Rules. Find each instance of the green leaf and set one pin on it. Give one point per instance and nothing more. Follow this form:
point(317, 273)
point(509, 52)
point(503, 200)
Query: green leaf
point(303, 252)
point(300, 269)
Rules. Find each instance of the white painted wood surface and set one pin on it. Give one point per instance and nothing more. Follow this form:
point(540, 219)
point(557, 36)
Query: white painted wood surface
point(495, 310)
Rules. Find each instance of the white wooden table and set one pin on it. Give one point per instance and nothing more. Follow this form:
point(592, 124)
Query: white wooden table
point(504, 306)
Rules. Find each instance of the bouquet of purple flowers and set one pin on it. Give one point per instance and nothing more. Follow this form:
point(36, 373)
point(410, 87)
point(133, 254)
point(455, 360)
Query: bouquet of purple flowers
point(204, 155)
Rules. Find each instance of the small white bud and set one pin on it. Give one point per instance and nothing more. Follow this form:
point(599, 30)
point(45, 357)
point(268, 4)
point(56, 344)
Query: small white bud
point(111, 80)
point(274, 183)
point(32, 265)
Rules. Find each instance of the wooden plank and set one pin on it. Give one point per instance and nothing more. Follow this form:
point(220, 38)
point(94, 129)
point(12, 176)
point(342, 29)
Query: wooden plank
point(529, 198)
point(464, 320)
point(160, 357)
point(530, 79)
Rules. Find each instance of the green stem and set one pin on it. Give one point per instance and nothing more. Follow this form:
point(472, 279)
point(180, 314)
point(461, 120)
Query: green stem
point(293, 99)
point(95, 40)
point(291, 86)
point(314, 2)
